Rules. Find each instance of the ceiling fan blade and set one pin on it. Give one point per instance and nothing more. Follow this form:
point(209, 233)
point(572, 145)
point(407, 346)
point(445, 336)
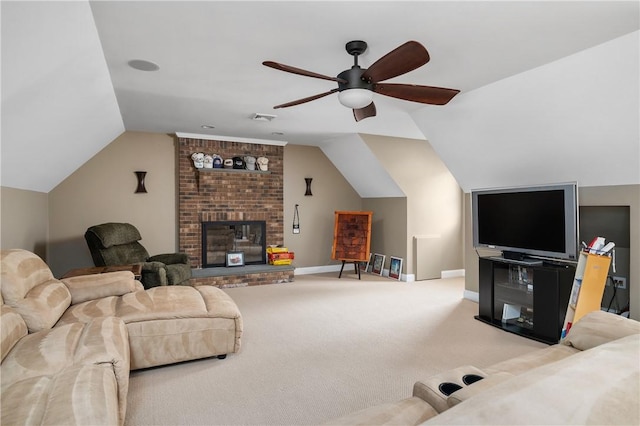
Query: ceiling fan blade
point(362, 113)
point(309, 99)
point(401, 60)
point(411, 92)
point(300, 71)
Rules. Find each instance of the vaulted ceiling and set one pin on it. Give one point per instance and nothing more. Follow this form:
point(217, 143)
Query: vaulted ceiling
point(68, 91)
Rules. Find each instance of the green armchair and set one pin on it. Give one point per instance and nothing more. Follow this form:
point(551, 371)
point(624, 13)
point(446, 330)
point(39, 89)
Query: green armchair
point(113, 244)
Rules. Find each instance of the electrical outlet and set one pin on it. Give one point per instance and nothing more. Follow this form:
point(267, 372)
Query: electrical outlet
point(620, 282)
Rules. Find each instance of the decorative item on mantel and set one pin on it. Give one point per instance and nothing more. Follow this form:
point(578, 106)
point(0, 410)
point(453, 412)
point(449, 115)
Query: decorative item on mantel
point(263, 163)
point(308, 182)
point(250, 162)
point(141, 188)
point(198, 159)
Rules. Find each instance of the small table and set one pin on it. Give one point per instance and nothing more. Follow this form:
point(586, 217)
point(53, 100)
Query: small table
point(136, 269)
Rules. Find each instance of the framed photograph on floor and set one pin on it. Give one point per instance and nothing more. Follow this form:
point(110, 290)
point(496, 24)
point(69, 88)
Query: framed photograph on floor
point(378, 264)
point(395, 267)
point(235, 258)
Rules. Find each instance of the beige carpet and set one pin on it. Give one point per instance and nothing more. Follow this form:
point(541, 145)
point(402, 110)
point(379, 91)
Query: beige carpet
point(322, 347)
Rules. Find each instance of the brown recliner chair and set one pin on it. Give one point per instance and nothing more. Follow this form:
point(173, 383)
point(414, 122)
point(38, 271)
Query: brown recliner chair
point(113, 244)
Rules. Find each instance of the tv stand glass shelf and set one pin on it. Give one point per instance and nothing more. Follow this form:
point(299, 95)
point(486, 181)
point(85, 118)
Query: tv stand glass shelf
point(529, 299)
point(513, 296)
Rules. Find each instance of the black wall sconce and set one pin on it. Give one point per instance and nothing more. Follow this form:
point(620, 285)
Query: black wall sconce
point(140, 176)
point(308, 182)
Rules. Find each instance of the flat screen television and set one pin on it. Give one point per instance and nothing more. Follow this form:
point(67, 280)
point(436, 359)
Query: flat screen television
point(536, 221)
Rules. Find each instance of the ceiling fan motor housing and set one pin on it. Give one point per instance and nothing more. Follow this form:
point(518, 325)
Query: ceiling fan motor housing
point(353, 76)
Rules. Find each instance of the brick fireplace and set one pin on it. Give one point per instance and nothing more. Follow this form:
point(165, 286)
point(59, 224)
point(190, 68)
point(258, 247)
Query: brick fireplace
point(210, 195)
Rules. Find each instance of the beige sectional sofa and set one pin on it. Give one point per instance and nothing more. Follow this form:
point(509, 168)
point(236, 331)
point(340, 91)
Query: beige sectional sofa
point(592, 377)
point(68, 345)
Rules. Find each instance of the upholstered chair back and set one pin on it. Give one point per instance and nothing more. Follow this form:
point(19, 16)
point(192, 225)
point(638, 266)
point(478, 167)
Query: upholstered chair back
point(115, 244)
point(28, 286)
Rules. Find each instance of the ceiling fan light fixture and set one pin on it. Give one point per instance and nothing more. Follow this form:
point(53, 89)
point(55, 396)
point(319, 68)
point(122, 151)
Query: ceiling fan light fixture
point(355, 98)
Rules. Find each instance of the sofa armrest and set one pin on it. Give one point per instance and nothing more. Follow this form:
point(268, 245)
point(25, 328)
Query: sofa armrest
point(170, 258)
point(97, 286)
point(436, 389)
point(477, 387)
point(599, 327)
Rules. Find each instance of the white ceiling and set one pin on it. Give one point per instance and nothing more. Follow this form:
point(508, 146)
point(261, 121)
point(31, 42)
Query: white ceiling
point(67, 90)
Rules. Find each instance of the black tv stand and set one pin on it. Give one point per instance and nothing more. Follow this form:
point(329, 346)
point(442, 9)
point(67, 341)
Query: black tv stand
point(527, 299)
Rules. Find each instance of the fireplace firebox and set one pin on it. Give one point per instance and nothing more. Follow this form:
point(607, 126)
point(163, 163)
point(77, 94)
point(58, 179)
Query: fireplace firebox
point(222, 237)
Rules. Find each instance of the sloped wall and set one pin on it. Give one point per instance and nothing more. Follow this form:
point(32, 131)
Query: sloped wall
point(575, 119)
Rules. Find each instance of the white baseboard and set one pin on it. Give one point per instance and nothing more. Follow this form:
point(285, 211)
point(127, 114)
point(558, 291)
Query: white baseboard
point(471, 295)
point(317, 269)
point(336, 268)
point(452, 274)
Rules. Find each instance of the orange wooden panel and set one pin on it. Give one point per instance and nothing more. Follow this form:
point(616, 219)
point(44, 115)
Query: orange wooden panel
point(351, 236)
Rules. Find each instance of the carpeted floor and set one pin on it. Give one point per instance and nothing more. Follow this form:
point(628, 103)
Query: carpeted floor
point(322, 347)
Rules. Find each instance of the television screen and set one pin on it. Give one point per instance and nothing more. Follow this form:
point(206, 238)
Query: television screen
point(534, 221)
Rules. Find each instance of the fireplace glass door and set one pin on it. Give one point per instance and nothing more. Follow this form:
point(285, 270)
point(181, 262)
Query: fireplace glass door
point(222, 237)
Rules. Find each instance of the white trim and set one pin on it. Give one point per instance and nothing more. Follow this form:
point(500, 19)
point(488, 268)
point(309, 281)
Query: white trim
point(336, 268)
point(452, 274)
point(403, 277)
point(317, 269)
point(471, 295)
point(230, 139)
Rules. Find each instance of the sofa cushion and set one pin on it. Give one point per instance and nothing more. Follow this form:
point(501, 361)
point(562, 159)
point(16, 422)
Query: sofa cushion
point(526, 362)
point(409, 411)
point(13, 328)
point(78, 395)
point(599, 327)
point(597, 386)
point(170, 324)
point(102, 341)
point(29, 287)
point(92, 287)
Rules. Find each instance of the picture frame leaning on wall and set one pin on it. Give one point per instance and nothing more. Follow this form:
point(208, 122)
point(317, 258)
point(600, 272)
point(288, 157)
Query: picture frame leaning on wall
point(378, 264)
point(395, 267)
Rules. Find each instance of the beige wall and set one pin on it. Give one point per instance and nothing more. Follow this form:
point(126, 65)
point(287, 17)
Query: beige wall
point(622, 195)
point(24, 221)
point(103, 190)
point(331, 192)
point(434, 201)
point(388, 228)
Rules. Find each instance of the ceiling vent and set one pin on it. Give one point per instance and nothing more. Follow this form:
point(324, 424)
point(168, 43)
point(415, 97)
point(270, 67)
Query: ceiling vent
point(263, 117)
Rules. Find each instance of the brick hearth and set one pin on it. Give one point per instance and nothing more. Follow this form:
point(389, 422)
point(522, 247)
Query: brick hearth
point(219, 194)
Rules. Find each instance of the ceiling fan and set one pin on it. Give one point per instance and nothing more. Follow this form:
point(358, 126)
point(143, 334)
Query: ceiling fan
point(357, 85)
